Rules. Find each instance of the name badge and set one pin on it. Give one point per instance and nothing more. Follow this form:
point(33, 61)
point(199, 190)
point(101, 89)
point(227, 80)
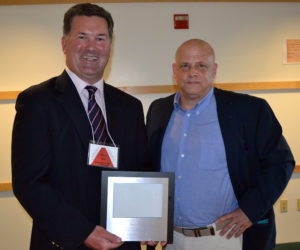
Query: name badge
point(103, 155)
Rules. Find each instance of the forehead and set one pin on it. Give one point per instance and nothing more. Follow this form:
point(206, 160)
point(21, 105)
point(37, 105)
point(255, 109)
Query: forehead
point(84, 23)
point(194, 53)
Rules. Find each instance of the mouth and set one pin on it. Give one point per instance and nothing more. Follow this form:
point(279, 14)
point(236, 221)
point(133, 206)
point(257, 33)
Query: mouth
point(192, 82)
point(90, 58)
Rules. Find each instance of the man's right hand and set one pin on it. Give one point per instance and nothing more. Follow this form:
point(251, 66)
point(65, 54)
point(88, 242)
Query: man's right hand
point(100, 239)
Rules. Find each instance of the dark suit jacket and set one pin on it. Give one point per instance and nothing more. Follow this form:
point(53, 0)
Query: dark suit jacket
point(259, 160)
point(51, 178)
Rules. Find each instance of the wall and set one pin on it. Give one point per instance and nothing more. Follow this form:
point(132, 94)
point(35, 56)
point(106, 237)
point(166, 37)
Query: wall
point(247, 38)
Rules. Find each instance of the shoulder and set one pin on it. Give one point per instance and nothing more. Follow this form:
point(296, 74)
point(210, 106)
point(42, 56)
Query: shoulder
point(238, 100)
point(160, 108)
point(248, 108)
point(54, 85)
point(119, 97)
point(163, 102)
point(38, 92)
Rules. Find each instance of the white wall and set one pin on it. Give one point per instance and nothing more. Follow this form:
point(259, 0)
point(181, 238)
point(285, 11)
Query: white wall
point(247, 38)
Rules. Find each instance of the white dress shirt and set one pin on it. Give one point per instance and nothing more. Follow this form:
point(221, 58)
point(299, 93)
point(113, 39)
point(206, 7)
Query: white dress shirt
point(84, 94)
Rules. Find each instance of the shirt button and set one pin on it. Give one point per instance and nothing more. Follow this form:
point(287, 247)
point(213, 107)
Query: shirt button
point(179, 177)
point(179, 217)
point(197, 113)
point(185, 134)
point(178, 198)
point(188, 115)
point(182, 155)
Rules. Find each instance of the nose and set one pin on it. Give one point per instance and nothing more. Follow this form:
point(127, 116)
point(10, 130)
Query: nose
point(90, 44)
point(193, 71)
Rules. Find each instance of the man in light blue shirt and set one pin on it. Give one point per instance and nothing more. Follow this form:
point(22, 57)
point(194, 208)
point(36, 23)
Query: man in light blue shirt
point(193, 140)
point(230, 159)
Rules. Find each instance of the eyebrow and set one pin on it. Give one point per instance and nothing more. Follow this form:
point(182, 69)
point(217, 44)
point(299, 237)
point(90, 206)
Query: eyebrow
point(102, 34)
point(200, 62)
point(86, 33)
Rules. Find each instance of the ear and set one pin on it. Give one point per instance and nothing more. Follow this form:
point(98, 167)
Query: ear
point(64, 44)
point(215, 70)
point(174, 69)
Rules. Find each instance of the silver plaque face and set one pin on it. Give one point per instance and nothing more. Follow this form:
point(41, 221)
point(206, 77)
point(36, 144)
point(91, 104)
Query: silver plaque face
point(138, 206)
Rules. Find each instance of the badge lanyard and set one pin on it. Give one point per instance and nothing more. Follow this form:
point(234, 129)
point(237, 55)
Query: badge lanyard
point(103, 155)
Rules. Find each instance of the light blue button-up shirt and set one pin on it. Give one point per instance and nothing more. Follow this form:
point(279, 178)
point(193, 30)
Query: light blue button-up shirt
point(193, 148)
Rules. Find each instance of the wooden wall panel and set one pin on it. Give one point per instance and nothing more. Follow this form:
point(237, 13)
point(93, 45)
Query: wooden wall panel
point(157, 89)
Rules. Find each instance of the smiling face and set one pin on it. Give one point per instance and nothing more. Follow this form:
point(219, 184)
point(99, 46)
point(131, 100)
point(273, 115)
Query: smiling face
point(194, 70)
point(87, 47)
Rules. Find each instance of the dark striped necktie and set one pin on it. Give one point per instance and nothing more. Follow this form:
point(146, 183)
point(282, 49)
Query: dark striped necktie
point(96, 118)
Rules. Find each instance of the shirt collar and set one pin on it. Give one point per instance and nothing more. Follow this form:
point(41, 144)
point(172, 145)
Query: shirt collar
point(203, 102)
point(80, 84)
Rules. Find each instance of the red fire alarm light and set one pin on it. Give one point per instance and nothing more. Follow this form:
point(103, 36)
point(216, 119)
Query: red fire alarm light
point(181, 21)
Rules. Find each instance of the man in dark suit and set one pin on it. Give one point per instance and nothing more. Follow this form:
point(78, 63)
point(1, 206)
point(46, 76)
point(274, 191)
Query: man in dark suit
point(52, 132)
point(228, 153)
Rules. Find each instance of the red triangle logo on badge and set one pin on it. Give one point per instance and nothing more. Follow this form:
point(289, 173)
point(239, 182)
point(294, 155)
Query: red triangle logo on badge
point(102, 159)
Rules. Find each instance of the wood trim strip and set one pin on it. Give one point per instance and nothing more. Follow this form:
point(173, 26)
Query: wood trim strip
point(9, 95)
point(7, 186)
point(24, 2)
point(153, 89)
point(259, 85)
point(157, 89)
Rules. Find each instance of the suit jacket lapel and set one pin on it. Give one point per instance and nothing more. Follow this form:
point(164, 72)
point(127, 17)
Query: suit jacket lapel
point(109, 104)
point(70, 100)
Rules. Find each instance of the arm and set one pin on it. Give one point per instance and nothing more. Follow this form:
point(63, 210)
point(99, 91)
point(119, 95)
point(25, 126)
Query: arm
point(34, 182)
point(270, 164)
point(266, 164)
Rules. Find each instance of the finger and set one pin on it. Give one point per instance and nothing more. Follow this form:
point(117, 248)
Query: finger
point(113, 245)
point(243, 229)
point(152, 243)
point(231, 233)
point(227, 228)
point(163, 243)
point(236, 231)
point(239, 232)
point(149, 243)
point(223, 218)
point(111, 237)
point(105, 244)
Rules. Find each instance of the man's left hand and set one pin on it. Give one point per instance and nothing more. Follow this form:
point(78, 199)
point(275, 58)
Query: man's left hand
point(238, 224)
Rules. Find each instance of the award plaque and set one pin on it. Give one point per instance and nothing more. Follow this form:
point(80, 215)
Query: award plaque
point(138, 206)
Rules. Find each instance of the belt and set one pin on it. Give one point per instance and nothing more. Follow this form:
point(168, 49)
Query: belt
point(201, 231)
point(196, 232)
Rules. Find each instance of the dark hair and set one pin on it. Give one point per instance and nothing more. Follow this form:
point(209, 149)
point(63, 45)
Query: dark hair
point(87, 9)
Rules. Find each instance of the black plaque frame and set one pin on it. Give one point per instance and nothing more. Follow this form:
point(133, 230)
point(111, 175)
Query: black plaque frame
point(146, 176)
